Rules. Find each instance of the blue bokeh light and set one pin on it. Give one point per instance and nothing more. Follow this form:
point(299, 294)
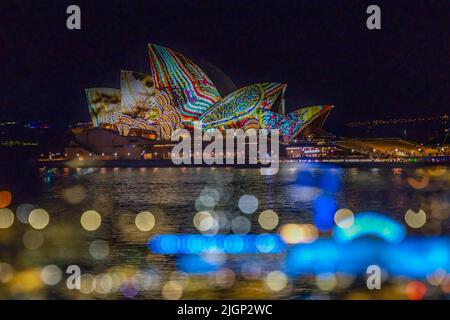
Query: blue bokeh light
point(413, 257)
point(231, 244)
point(371, 224)
point(324, 209)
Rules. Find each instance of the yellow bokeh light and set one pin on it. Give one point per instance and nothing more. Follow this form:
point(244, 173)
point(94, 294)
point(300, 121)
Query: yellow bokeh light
point(75, 194)
point(91, 220)
point(6, 218)
point(51, 275)
point(87, 282)
point(26, 281)
point(104, 283)
point(326, 281)
point(145, 221)
point(6, 272)
point(268, 220)
point(33, 239)
point(39, 218)
point(172, 290)
point(225, 278)
point(276, 280)
point(415, 220)
point(299, 233)
point(436, 171)
point(344, 218)
point(203, 221)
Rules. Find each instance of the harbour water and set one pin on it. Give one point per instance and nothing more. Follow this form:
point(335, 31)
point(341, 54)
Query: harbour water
point(116, 261)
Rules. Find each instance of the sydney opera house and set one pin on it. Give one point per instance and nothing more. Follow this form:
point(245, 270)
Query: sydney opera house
point(142, 115)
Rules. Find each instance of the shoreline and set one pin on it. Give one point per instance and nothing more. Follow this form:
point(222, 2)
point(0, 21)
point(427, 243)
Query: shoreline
point(283, 162)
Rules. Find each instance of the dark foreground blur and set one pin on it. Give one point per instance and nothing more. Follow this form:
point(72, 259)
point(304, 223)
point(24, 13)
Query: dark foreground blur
point(309, 232)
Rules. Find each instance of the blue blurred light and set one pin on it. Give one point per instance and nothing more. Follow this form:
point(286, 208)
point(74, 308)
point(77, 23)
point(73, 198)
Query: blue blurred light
point(371, 224)
point(413, 257)
point(326, 255)
point(418, 257)
point(166, 245)
point(231, 244)
point(324, 210)
point(196, 264)
point(234, 244)
point(330, 180)
point(305, 178)
point(266, 243)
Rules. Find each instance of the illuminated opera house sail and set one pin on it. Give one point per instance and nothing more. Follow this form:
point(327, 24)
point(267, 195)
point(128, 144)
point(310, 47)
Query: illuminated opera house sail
point(179, 93)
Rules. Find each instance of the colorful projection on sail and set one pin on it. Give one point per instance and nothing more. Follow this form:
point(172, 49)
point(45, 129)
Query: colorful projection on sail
point(145, 107)
point(104, 105)
point(293, 123)
point(189, 88)
point(179, 92)
point(308, 113)
point(242, 105)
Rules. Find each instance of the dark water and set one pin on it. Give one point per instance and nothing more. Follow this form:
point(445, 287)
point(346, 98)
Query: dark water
point(121, 266)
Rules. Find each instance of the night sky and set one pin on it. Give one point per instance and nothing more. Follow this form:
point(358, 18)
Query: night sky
point(321, 49)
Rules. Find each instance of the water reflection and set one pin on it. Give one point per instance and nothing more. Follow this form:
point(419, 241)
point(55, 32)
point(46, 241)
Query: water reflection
point(308, 232)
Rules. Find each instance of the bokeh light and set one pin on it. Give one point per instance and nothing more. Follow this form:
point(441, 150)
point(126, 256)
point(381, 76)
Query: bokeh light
point(33, 239)
point(38, 219)
point(415, 290)
point(225, 278)
point(248, 203)
point(298, 233)
point(6, 218)
point(6, 272)
point(23, 212)
point(145, 221)
point(268, 219)
point(91, 220)
point(326, 281)
point(87, 283)
point(51, 275)
point(5, 199)
point(415, 220)
point(104, 283)
point(371, 224)
point(172, 290)
point(344, 218)
point(437, 277)
point(240, 225)
point(99, 249)
point(324, 210)
point(276, 280)
point(209, 197)
point(75, 194)
point(419, 182)
point(203, 221)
